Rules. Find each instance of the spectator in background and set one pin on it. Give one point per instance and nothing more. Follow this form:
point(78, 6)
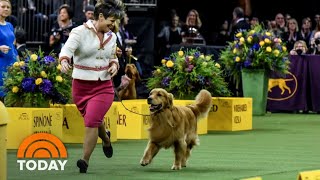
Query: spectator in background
point(223, 35)
point(292, 34)
point(61, 28)
point(281, 25)
point(315, 44)
point(254, 21)
point(169, 35)
point(299, 48)
point(306, 31)
point(239, 23)
point(88, 14)
point(316, 20)
point(8, 53)
point(191, 30)
point(21, 42)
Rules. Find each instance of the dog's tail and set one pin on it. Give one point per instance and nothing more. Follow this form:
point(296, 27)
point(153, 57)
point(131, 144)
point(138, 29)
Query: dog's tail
point(203, 104)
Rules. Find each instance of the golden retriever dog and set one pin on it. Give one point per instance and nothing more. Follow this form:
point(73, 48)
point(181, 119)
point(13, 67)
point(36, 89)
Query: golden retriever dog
point(130, 92)
point(281, 83)
point(174, 126)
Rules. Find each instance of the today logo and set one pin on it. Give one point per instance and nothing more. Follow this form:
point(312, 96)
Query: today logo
point(42, 146)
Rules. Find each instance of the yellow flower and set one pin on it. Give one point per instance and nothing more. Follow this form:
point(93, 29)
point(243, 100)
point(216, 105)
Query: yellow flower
point(59, 78)
point(180, 53)
point(268, 49)
point(217, 65)
point(276, 52)
point(241, 40)
point(268, 33)
point(284, 48)
point(169, 64)
point(22, 63)
point(235, 51)
point(251, 32)
point(204, 64)
point(15, 89)
point(38, 81)
point(34, 57)
point(43, 74)
point(208, 58)
point(237, 59)
point(266, 40)
point(163, 61)
point(59, 67)
point(190, 58)
point(261, 43)
point(249, 39)
point(201, 56)
point(239, 34)
point(16, 64)
point(158, 71)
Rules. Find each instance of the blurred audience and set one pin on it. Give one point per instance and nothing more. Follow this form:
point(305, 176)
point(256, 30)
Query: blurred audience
point(61, 29)
point(21, 41)
point(169, 35)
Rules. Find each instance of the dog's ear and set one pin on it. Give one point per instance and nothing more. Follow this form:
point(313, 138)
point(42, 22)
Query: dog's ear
point(170, 100)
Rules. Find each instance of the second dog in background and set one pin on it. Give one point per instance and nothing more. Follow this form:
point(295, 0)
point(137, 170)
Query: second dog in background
point(127, 89)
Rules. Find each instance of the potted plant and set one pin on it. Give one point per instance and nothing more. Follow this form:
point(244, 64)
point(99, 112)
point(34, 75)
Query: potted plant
point(252, 56)
point(36, 80)
point(185, 73)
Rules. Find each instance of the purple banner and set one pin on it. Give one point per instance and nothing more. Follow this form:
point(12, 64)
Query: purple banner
point(298, 90)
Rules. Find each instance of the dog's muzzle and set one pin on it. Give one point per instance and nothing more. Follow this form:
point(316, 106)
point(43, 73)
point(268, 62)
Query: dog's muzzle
point(153, 107)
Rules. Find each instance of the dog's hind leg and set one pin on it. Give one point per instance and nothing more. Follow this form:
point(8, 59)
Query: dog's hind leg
point(151, 150)
point(180, 148)
point(190, 145)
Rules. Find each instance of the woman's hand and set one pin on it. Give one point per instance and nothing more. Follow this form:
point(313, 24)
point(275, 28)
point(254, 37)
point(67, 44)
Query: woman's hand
point(4, 49)
point(65, 66)
point(113, 70)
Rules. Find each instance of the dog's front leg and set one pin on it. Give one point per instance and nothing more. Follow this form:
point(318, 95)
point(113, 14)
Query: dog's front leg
point(180, 153)
point(151, 150)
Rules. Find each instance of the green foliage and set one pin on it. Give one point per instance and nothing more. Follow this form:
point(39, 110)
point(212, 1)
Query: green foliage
point(257, 48)
point(35, 81)
point(185, 73)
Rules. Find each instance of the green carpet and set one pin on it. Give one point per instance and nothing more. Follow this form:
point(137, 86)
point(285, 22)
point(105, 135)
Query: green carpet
point(278, 147)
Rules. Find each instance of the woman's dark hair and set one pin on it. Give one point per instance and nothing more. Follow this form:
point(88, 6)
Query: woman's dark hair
point(109, 8)
point(68, 9)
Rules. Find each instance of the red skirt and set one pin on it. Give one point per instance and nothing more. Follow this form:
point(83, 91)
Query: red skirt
point(93, 99)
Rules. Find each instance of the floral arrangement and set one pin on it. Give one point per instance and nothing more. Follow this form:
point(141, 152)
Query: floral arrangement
point(185, 73)
point(256, 48)
point(36, 80)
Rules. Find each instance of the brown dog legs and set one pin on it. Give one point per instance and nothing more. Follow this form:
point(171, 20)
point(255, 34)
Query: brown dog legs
point(180, 148)
point(151, 150)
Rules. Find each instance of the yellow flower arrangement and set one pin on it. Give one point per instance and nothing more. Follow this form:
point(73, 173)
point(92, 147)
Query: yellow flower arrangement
point(185, 73)
point(36, 80)
point(257, 48)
